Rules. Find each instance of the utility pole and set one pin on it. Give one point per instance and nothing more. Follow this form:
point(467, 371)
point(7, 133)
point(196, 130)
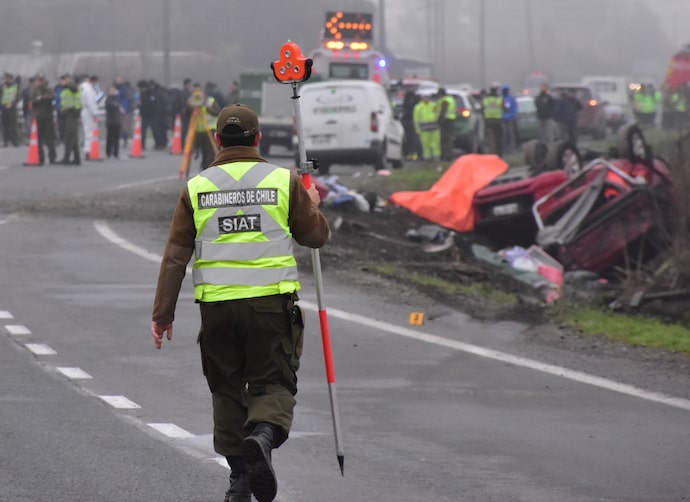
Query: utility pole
point(482, 45)
point(383, 42)
point(166, 43)
point(531, 52)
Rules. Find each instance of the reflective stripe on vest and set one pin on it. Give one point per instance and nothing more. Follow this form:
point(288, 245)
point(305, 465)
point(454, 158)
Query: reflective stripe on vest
point(493, 107)
point(243, 246)
point(9, 94)
point(451, 109)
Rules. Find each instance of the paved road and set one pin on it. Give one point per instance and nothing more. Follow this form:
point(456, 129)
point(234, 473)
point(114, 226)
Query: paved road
point(91, 412)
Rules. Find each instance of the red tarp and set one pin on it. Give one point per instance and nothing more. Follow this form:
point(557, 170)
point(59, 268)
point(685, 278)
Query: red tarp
point(449, 202)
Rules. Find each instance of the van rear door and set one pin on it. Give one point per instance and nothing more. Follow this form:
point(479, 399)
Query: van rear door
point(336, 117)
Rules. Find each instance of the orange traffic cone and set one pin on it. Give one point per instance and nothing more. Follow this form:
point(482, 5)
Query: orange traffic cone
point(33, 159)
point(176, 148)
point(136, 139)
point(95, 151)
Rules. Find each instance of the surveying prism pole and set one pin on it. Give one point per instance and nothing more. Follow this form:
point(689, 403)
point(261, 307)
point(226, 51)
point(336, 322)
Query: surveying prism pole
point(292, 68)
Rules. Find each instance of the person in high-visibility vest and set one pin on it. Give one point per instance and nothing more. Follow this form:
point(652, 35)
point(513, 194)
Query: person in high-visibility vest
point(70, 111)
point(448, 112)
point(238, 218)
point(645, 103)
point(8, 106)
point(678, 108)
point(493, 108)
point(205, 126)
point(427, 127)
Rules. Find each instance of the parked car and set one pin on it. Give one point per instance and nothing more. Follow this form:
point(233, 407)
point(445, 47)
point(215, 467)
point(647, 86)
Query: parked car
point(616, 212)
point(469, 123)
point(526, 123)
point(592, 118)
point(350, 122)
point(613, 91)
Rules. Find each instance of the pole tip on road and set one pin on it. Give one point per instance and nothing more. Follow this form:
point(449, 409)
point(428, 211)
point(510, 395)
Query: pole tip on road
point(341, 462)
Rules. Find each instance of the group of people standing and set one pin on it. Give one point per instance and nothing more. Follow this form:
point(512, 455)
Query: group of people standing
point(68, 113)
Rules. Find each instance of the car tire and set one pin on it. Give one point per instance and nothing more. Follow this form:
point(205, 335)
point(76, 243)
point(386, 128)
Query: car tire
point(381, 157)
point(536, 153)
point(565, 156)
point(398, 163)
point(632, 145)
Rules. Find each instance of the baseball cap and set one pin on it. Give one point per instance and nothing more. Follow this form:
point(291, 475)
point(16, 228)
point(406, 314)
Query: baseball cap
point(239, 115)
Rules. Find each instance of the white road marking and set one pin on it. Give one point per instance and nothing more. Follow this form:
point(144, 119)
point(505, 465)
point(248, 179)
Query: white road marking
point(120, 402)
point(17, 329)
point(4, 314)
point(576, 376)
point(74, 373)
point(40, 349)
point(146, 182)
point(172, 431)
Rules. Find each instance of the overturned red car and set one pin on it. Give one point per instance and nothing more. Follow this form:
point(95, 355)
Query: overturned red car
point(614, 211)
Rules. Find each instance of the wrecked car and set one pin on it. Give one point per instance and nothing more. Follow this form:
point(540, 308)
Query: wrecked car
point(503, 210)
point(616, 212)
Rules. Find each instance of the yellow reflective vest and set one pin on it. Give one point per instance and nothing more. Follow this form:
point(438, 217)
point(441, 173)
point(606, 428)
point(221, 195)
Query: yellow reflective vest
point(493, 107)
point(9, 94)
point(451, 108)
point(425, 116)
point(243, 245)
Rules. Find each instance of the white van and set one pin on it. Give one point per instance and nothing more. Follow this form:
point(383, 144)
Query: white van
point(350, 122)
point(613, 92)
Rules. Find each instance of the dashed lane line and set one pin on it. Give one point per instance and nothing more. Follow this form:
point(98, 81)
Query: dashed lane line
point(120, 402)
point(171, 430)
point(523, 362)
point(40, 349)
point(4, 314)
point(74, 373)
point(17, 329)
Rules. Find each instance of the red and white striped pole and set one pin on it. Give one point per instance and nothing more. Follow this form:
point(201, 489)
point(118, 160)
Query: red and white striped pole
point(292, 68)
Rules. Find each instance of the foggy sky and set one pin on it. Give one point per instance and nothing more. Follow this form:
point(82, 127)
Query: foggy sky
point(568, 39)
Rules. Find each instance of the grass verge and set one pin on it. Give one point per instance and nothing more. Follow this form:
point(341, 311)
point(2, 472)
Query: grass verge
point(633, 330)
point(479, 290)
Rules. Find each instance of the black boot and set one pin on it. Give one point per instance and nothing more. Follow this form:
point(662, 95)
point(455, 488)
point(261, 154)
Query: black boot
point(239, 490)
point(257, 451)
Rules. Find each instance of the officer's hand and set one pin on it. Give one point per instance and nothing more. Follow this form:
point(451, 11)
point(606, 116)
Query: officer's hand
point(158, 329)
point(314, 195)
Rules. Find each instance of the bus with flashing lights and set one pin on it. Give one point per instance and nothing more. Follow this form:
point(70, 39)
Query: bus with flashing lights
point(346, 50)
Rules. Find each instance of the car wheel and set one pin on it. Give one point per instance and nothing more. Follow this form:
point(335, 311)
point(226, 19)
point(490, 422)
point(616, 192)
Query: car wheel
point(474, 142)
point(397, 163)
point(566, 156)
point(381, 157)
point(632, 145)
point(536, 153)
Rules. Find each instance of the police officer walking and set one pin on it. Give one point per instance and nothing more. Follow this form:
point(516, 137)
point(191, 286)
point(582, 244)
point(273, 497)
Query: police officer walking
point(238, 218)
point(8, 106)
point(42, 97)
point(448, 111)
point(70, 110)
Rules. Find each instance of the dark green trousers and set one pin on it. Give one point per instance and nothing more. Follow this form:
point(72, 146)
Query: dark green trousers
point(250, 352)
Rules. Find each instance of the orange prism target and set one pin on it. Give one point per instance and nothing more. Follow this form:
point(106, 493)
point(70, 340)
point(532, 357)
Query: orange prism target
point(292, 66)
